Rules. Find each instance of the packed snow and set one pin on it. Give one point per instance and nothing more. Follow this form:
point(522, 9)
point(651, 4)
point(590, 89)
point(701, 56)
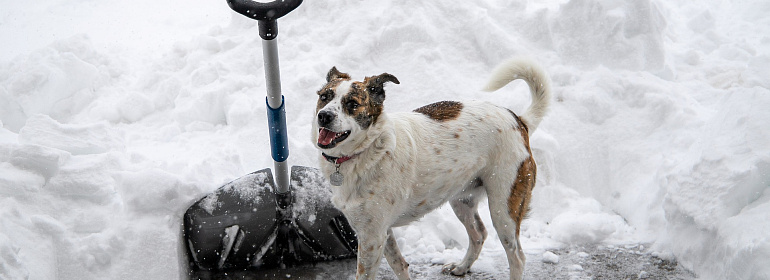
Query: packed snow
point(116, 115)
point(550, 257)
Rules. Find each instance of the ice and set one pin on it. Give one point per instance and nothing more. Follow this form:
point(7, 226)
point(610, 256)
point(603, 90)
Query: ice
point(116, 116)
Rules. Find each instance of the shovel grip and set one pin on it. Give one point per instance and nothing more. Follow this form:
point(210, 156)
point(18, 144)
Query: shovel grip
point(265, 13)
point(279, 140)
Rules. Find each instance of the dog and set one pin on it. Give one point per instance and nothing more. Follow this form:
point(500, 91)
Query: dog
point(388, 170)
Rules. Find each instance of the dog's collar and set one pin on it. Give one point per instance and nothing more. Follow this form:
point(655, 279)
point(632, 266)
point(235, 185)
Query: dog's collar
point(337, 160)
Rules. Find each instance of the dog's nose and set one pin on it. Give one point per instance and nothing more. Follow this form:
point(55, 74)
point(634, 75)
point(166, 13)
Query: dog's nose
point(325, 118)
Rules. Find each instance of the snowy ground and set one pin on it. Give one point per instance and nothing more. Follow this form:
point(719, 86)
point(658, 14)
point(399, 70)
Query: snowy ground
point(115, 115)
point(573, 263)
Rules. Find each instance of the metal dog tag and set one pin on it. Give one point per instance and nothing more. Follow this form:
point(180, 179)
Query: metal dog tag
point(336, 178)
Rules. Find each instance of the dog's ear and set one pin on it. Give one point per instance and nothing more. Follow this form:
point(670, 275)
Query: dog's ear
point(336, 74)
point(385, 77)
point(374, 85)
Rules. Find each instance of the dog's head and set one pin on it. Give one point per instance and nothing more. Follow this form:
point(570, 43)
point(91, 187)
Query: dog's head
point(347, 109)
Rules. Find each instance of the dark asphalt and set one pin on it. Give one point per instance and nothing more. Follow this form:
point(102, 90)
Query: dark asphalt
point(575, 263)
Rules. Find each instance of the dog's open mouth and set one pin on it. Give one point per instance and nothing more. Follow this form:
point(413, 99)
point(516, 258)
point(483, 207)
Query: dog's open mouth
point(328, 139)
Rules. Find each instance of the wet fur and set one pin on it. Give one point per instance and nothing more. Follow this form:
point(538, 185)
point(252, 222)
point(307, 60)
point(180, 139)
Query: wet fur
point(406, 164)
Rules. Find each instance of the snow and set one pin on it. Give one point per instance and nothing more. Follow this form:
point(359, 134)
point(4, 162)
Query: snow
point(116, 115)
point(550, 257)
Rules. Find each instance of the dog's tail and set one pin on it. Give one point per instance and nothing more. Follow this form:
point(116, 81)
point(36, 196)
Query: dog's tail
point(539, 86)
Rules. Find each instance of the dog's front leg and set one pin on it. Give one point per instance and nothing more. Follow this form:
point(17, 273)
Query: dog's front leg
point(370, 246)
point(394, 257)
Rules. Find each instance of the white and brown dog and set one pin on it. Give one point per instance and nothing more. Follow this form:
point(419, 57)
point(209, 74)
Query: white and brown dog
point(392, 169)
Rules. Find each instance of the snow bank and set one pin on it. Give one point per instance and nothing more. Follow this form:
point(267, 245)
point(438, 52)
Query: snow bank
point(58, 81)
point(717, 192)
point(658, 133)
point(616, 34)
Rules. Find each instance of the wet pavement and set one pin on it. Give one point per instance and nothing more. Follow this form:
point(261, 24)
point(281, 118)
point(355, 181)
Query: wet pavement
point(574, 263)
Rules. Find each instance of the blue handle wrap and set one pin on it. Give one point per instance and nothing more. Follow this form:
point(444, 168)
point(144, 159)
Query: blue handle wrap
point(279, 141)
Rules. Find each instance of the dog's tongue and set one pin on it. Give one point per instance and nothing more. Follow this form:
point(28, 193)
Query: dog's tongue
point(325, 136)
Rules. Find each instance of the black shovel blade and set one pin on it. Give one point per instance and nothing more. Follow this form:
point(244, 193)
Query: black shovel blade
point(242, 225)
point(316, 217)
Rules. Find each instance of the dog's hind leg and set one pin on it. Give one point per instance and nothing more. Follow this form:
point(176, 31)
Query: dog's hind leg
point(395, 259)
point(508, 203)
point(506, 228)
point(465, 209)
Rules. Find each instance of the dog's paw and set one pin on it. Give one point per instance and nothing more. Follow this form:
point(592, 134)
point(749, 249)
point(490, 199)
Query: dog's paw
point(455, 269)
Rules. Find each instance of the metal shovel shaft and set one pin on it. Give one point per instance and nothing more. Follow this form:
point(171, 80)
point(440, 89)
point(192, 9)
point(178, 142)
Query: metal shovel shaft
point(272, 73)
point(276, 116)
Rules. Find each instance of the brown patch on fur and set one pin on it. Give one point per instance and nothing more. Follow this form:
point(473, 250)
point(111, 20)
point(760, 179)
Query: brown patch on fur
point(521, 191)
point(361, 269)
point(359, 104)
point(365, 100)
point(326, 93)
point(422, 203)
point(518, 202)
point(441, 111)
point(521, 124)
point(334, 74)
point(457, 135)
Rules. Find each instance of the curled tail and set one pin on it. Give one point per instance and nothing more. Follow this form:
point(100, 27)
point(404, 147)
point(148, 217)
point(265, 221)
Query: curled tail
point(539, 87)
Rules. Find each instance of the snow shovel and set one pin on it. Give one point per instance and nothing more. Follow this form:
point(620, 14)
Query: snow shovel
point(259, 221)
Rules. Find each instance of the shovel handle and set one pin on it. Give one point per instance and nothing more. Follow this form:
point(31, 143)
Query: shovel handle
point(265, 13)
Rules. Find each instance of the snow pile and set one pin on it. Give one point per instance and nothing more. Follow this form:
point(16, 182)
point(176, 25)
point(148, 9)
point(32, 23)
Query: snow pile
point(550, 257)
point(658, 133)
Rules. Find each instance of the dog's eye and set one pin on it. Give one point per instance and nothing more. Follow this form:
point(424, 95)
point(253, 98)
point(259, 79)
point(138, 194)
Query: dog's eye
point(352, 105)
point(372, 89)
point(325, 96)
